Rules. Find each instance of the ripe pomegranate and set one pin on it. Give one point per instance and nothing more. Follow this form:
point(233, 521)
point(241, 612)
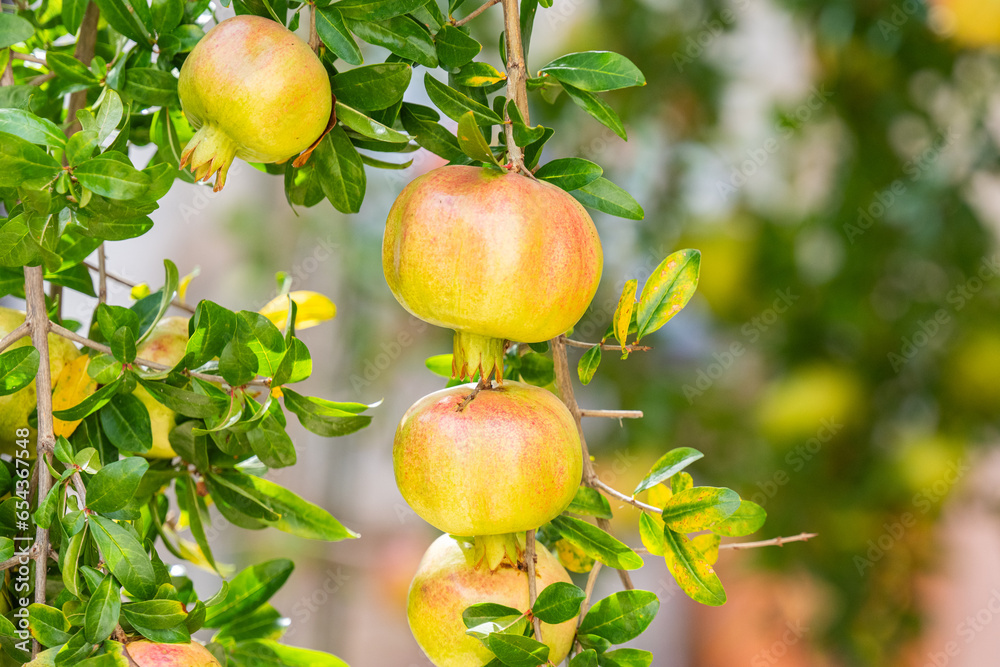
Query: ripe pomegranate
point(509, 461)
point(447, 582)
point(166, 345)
point(495, 256)
point(148, 654)
point(256, 91)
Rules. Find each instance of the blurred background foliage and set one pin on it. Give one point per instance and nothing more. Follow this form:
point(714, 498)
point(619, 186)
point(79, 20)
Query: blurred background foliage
point(836, 164)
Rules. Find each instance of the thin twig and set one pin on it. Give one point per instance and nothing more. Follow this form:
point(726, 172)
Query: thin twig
point(102, 275)
point(85, 45)
point(589, 590)
point(612, 414)
point(314, 40)
point(100, 347)
point(130, 283)
point(476, 12)
point(39, 80)
point(38, 319)
point(773, 542)
point(486, 383)
point(605, 346)
point(28, 58)
point(15, 335)
point(517, 88)
point(529, 558)
point(615, 493)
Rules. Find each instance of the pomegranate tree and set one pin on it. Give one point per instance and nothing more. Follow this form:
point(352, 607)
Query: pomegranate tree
point(253, 90)
point(448, 581)
point(507, 462)
point(495, 256)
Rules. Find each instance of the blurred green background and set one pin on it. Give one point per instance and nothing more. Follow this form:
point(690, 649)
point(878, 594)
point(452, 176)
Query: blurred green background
point(836, 164)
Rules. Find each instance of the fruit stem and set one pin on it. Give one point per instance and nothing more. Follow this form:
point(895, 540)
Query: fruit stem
point(495, 550)
point(474, 353)
point(209, 152)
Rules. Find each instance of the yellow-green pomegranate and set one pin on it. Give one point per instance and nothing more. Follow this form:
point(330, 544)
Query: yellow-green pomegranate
point(448, 581)
point(493, 255)
point(149, 654)
point(166, 345)
point(254, 91)
point(508, 462)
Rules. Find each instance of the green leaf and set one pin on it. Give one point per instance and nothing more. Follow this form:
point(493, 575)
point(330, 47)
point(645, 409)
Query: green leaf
point(372, 87)
point(123, 345)
point(263, 623)
point(558, 603)
point(472, 141)
point(517, 650)
point(124, 556)
point(589, 362)
point(454, 47)
point(708, 545)
point(70, 69)
point(114, 485)
point(248, 590)
point(666, 466)
point(91, 404)
point(31, 128)
point(263, 339)
point(748, 518)
point(341, 171)
point(623, 313)
point(569, 173)
point(597, 544)
point(126, 422)
point(214, 326)
point(487, 612)
point(109, 115)
point(226, 493)
point(478, 75)
point(268, 653)
point(22, 161)
point(597, 108)
point(166, 14)
point(122, 18)
point(46, 511)
point(693, 574)
point(296, 515)
point(14, 30)
point(152, 87)
point(590, 502)
point(595, 71)
point(117, 229)
point(621, 617)
point(431, 136)
point(271, 443)
point(586, 658)
point(523, 135)
point(197, 520)
point(102, 611)
point(17, 369)
point(110, 177)
point(326, 418)
point(155, 614)
point(377, 10)
point(69, 561)
point(668, 290)
point(699, 508)
point(184, 401)
point(626, 657)
point(72, 14)
point(605, 196)
point(332, 31)
point(48, 625)
point(440, 364)
point(651, 534)
point(401, 35)
point(454, 104)
point(368, 127)
point(6, 548)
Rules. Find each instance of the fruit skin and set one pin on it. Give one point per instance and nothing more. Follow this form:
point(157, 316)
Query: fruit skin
point(509, 461)
point(447, 582)
point(254, 91)
point(166, 345)
point(15, 408)
point(491, 254)
point(148, 654)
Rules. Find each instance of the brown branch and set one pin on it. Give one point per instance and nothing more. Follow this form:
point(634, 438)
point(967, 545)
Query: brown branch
point(28, 58)
point(612, 414)
point(589, 590)
point(530, 558)
point(618, 495)
point(605, 346)
point(39, 80)
point(7, 78)
point(85, 45)
point(129, 283)
point(517, 87)
point(479, 10)
point(102, 276)
point(38, 319)
point(15, 335)
point(773, 542)
point(100, 347)
point(314, 40)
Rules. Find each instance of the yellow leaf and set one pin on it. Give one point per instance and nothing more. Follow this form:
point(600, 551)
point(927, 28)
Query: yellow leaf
point(182, 287)
point(573, 558)
point(276, 392)
point(140, 291)
point(313, 309)
point(72, 386)
point(659, 495)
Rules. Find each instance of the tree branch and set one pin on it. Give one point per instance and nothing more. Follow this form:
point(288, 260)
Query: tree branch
point(618, 495)
point(314, 40)
point(529, 558)
point(773, 542)
point(479, 10)
point(15, 335)
point(37, 318)
point(517, 88)
point(605, 346)
point(85, 45)
point(102, 276)
point(28, 58)
point(612, 414)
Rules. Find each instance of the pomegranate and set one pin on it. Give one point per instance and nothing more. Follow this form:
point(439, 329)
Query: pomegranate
point(254, 91)
point(495, 256)
point(148, 654)
point(509, 461)
point(447, 582)
point(166, 345)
